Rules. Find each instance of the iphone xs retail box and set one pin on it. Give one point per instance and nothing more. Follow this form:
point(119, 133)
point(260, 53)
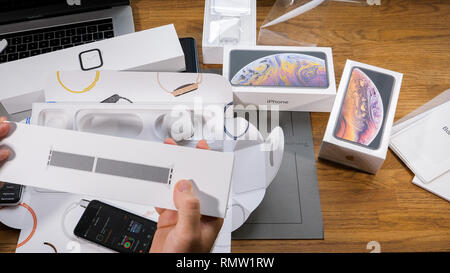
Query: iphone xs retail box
point(360, 123)
point(156, 49)
point(291, 78)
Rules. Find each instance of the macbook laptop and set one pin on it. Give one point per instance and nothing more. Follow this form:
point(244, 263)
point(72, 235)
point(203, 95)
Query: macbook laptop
point(33, 27)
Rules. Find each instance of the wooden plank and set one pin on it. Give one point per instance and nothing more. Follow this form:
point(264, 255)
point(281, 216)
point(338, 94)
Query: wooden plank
point(407, 36)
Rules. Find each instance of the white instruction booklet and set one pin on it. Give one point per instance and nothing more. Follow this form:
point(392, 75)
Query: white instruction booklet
point(425, 144)
point(116, 168)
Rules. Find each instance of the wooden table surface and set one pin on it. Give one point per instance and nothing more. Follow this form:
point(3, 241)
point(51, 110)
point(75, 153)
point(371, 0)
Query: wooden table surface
point(411, 37)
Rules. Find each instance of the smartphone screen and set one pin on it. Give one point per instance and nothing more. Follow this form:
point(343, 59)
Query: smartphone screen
point(365, 107)
point(115, 229)
point(10, 194)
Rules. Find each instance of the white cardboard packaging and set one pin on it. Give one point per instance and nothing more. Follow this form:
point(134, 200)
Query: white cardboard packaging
point(356, 155)
point(156, 49)
point(427, 156)
point(227, 22)
point(100, 166)
point(138, 87)
point(439, 186)
point(137, 121)
point(308, 99)
point(255, 166)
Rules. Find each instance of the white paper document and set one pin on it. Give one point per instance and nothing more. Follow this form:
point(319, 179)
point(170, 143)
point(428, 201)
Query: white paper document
point(116, 168)
point(425, 144)
point(440, 186)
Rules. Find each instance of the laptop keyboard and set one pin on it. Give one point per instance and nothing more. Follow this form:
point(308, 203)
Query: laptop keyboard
point(31, 43)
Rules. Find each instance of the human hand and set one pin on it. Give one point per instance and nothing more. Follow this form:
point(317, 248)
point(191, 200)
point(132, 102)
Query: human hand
point(4, 130)
point(4, 152)
point(185, 230)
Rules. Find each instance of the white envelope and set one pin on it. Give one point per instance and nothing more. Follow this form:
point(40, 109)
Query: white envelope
point(424, 145)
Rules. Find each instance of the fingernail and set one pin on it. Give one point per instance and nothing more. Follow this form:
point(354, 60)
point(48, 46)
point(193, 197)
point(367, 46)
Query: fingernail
point(170, 141)
point(203, 144)
point(3, 128)
point(4, 152)
point(184, 186)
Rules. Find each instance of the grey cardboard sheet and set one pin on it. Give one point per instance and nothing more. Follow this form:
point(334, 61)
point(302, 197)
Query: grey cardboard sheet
point(291, 207)
point(217, 71)
point(15, 117)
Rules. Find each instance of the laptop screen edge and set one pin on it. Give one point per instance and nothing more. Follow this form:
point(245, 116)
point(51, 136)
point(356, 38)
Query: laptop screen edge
point(51, 8)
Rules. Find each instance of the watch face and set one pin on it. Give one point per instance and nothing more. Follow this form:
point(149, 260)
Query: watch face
point(91, 59)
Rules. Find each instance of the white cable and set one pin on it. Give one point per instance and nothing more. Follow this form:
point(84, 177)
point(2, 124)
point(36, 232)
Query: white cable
point(71, 207)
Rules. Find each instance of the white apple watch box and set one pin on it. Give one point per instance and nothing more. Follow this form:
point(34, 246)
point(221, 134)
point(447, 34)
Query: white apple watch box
point(156, 49)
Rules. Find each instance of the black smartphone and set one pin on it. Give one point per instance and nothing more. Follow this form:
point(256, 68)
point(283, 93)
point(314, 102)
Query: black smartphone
point(115, 228)
point(365, 107)
point(10, 194)
point(189, 46)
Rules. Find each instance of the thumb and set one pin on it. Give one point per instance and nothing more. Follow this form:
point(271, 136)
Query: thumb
point(188, 207)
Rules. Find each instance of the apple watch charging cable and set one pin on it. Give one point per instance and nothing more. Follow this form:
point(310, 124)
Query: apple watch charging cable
point(82, 203)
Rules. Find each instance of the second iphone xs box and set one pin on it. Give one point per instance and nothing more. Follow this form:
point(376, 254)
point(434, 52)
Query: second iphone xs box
point(360, 123)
